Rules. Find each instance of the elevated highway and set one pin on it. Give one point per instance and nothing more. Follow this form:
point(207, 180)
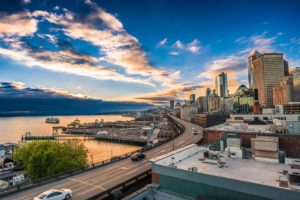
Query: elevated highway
point(90, 183)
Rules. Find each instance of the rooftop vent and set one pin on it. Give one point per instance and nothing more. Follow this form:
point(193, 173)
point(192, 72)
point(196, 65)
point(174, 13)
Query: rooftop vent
point(193, 169)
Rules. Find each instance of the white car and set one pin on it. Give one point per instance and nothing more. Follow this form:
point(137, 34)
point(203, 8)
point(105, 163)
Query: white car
point(54, 194)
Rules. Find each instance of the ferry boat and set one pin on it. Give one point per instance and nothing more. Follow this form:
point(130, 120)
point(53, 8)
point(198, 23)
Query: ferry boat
point(52, 120)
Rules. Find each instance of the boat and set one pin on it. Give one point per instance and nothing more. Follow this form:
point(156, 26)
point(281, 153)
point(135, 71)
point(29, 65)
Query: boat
point(52, 120)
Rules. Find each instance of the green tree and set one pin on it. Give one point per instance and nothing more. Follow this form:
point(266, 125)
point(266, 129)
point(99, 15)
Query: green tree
point(46, 158)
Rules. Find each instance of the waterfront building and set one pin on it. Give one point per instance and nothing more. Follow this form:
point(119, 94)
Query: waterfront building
point(172, 104)
point(296, 84)
point(221, 85)
point(282, 93)
point(268, 70)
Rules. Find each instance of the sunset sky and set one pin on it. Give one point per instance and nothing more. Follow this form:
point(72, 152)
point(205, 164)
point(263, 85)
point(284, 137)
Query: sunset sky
point(137, 50)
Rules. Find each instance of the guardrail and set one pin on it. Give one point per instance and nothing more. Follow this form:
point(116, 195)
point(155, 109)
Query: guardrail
point(32, 183)
point(120, 187)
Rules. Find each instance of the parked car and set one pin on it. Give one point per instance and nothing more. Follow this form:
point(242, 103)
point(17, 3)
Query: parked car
point(54, 194)
point(138, 156)
point(195, 132)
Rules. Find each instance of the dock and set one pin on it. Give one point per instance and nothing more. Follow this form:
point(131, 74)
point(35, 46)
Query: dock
point(90, 136)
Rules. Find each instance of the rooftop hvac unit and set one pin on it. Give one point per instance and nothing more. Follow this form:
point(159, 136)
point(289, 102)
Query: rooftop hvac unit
point(295, 164)
point(193, 169)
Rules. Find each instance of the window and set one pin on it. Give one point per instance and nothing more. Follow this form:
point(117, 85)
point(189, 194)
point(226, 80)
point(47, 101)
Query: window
point(54, 194)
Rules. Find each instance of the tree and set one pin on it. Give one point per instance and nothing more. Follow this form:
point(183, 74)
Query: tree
point(46, 158)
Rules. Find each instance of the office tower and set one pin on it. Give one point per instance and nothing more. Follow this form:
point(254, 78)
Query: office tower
point(208, 92)
point(208, 95)
point(221, 85)
point(255, 54)
point(268, 70)
point(282, 93)
point(296, 84)
point(193, 99)
point(172, 104)
point(202, 104)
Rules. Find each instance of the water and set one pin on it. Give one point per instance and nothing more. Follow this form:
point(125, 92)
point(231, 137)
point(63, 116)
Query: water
point(12, 128)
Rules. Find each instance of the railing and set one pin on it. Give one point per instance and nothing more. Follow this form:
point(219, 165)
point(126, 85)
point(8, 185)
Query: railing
point(122, 186)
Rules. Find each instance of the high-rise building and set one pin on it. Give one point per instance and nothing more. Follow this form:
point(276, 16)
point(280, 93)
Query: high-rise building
point(208, 92)
point(202, 104)
point(172, 104)
point(255, 54)
point(268, 70)
point(193, 99)
point(282, 93)
point(296, 84)
point(221, 85)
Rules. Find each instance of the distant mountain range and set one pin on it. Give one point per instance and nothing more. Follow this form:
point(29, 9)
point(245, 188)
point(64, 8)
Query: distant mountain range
point(35, 101)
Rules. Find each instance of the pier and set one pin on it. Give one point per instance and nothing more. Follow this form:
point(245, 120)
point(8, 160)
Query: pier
point(88, 135)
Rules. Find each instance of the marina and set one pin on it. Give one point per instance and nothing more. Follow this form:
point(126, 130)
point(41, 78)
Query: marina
point(12, 129)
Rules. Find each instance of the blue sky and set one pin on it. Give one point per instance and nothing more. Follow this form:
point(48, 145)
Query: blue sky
point(144, 51)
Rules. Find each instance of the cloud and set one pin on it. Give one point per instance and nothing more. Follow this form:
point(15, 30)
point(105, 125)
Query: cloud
point(22, 100)
point(174, 53)
point(163, 97)
point(26, 1)
point(193, 46)
point(234, 66)
point(261, 42)
point(117, 47)
point(162, 42)
point(295, 40)
point(50, 38)
point(18, 24)
point(127, 60)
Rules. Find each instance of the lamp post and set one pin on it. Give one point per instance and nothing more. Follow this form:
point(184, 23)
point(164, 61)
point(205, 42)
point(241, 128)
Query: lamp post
point(92, 160)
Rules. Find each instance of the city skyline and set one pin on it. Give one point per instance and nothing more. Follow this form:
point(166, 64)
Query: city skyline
point(117, 51)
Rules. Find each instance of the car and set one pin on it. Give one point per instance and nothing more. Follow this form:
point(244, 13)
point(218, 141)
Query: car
point(195, 132)
point(138, 156)
point(55, 194)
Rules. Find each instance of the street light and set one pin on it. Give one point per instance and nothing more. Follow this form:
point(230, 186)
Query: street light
point(92, 160)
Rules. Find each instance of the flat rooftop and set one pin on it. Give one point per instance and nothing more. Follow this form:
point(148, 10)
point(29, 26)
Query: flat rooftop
point(238, 127)
point(247, 170)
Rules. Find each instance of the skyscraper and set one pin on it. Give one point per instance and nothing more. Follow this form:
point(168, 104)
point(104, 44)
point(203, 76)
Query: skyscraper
point(296, 84)
point(255, 54)
point(193, 99)
point(172, 104)
point(268, 70)
point(221, 85)
point(283, 93)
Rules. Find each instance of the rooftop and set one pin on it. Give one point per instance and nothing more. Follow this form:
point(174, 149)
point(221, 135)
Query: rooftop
point(247, 170)
point(246, 128)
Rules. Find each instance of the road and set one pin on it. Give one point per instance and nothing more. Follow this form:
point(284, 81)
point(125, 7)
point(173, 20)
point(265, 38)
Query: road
point(92, 182)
